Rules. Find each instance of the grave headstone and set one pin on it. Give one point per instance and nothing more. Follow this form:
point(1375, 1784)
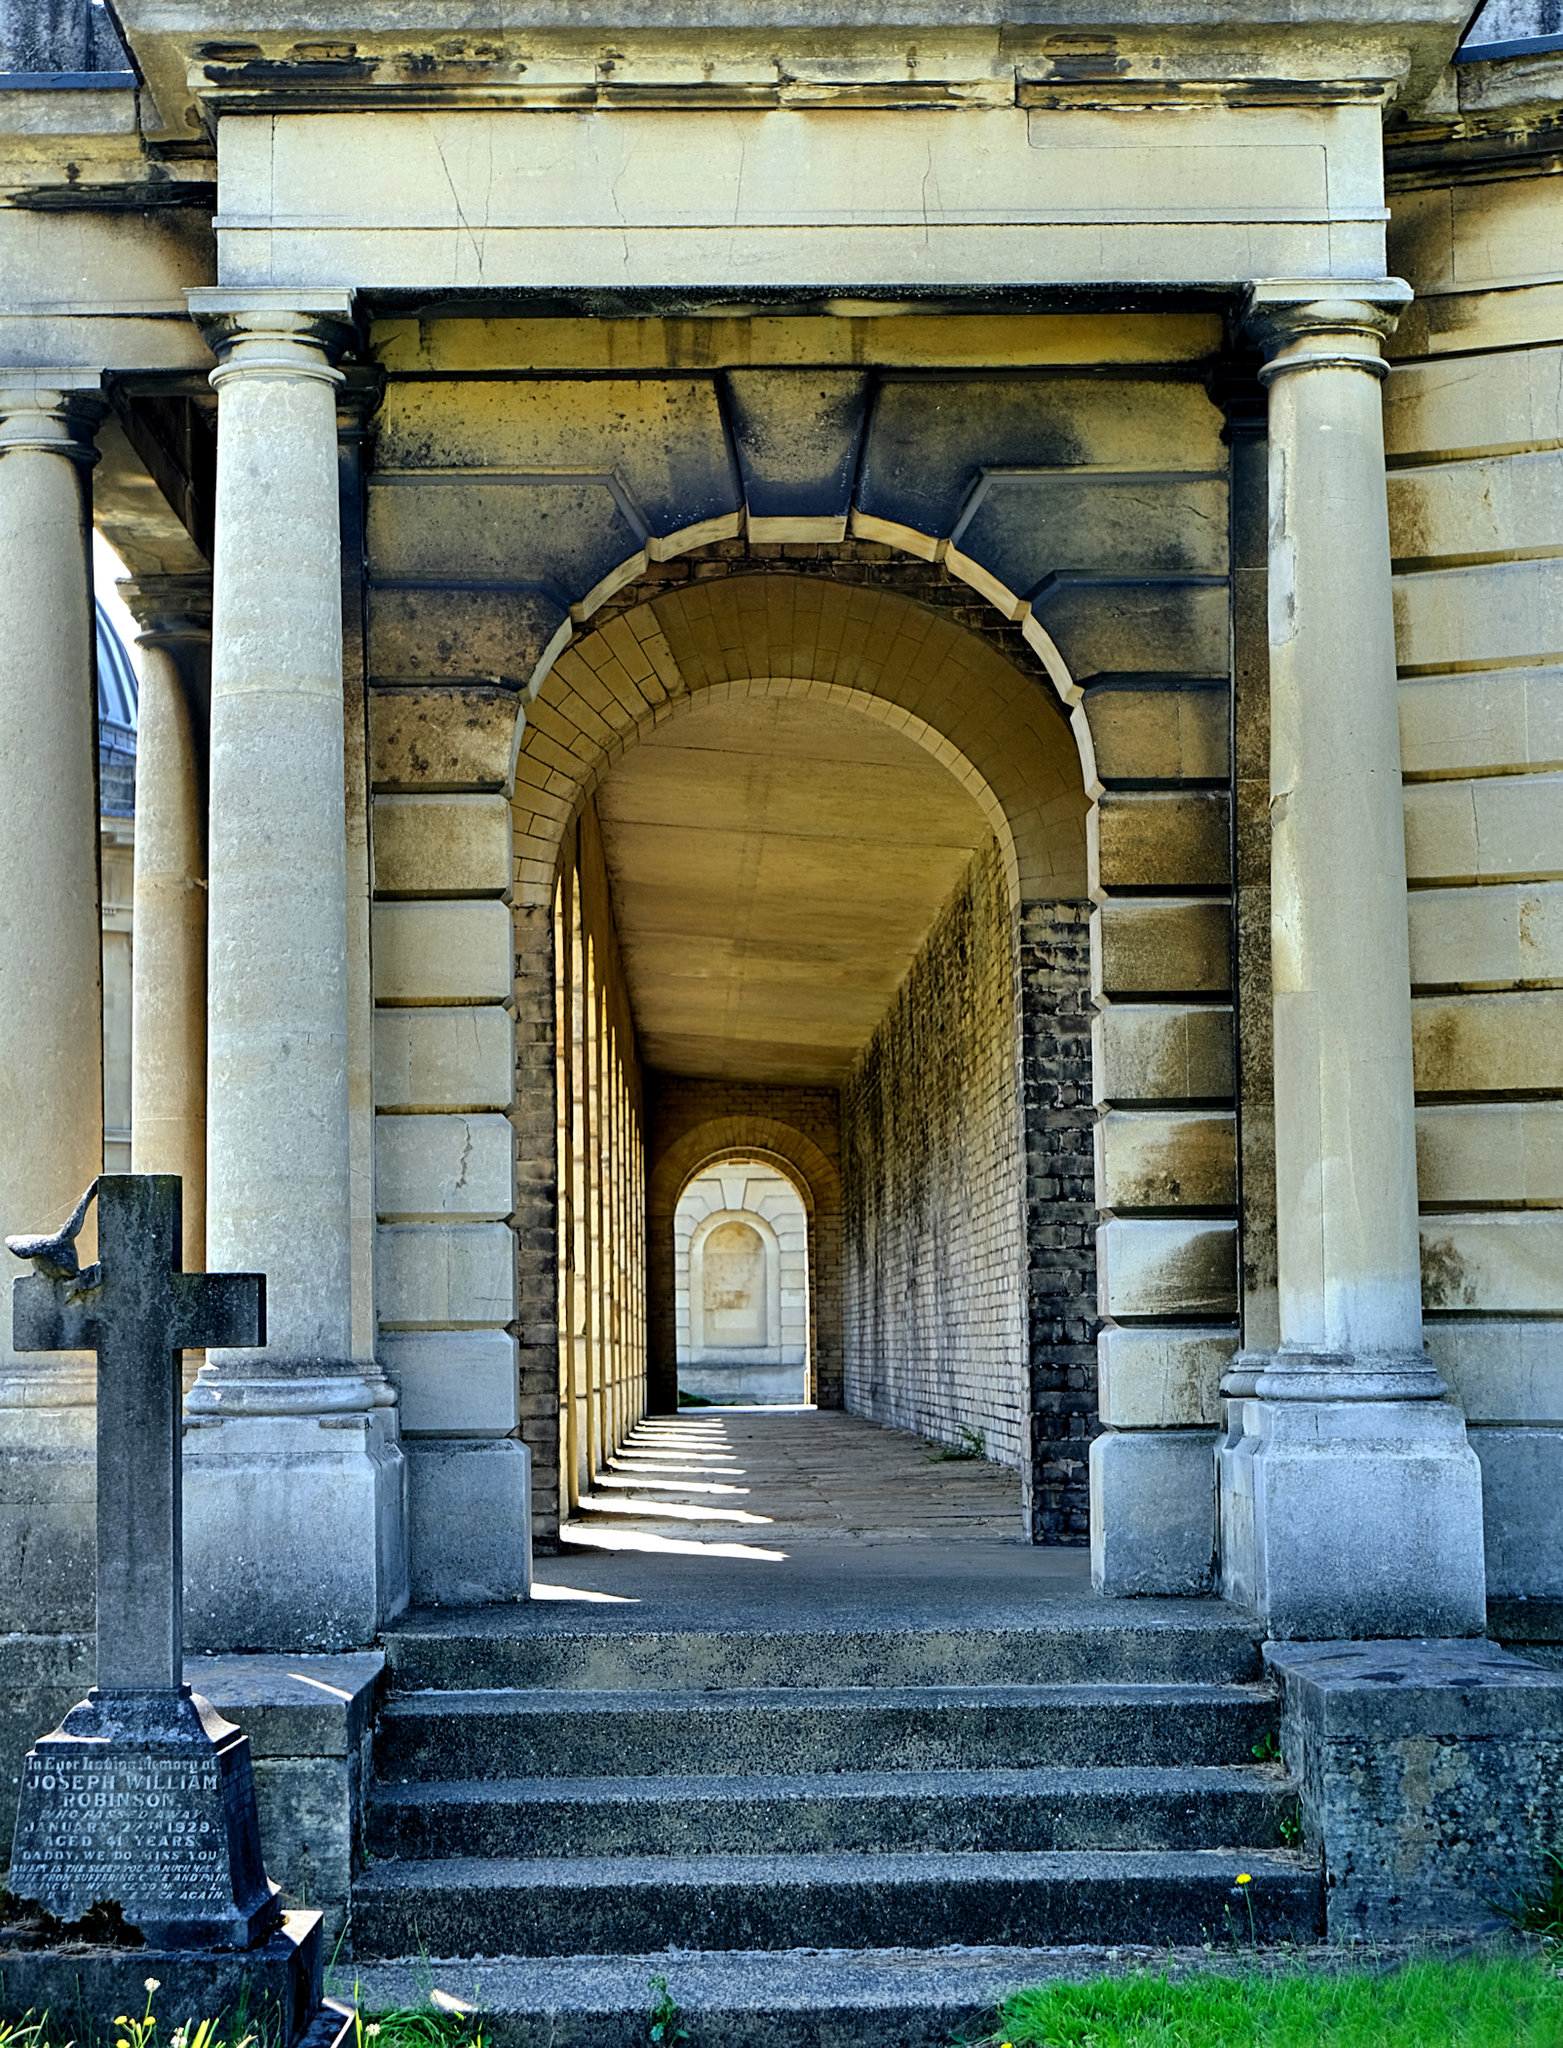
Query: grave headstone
point(144, 1797)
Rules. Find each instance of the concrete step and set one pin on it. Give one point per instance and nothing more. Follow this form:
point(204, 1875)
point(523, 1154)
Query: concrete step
point(863, 1811)
point(792, 1998)
point(605, 1905)
point(870, 1998)
point(466, 1735)
point(1210, 1647)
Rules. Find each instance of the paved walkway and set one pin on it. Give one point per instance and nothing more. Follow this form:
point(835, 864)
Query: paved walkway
point(846, 1526)
point(797, 1518)
point(799, 1474)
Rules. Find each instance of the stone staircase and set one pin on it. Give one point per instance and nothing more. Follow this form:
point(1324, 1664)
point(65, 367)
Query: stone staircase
point(581, 1801)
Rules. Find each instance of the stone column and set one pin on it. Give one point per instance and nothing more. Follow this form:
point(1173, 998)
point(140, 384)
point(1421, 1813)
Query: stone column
point(1357, 1491)
point(168, 1030)
point(295, 1490)
point(51, 1015)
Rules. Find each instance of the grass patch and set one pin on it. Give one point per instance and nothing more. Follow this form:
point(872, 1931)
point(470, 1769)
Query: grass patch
point(1538, 1909)
point(412, 2027)
point(1486, 2002)
point(972, 1444)
point(236, 2028)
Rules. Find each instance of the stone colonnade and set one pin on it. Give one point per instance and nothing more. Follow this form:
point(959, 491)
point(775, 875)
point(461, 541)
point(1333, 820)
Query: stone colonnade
point(295, 1510)
point(1350, 1500)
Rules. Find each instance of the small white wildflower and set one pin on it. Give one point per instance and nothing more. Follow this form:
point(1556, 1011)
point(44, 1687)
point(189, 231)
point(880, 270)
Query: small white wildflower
point(154, 1984)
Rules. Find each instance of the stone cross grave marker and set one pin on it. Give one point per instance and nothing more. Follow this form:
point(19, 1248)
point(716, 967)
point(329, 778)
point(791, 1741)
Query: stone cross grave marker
point(143, 1797)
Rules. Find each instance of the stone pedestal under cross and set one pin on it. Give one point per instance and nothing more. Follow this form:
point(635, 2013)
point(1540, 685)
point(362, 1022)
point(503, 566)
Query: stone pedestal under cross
point(143, 1797)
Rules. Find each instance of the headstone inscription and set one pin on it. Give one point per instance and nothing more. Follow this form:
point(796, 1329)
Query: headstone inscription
point(144, 1797)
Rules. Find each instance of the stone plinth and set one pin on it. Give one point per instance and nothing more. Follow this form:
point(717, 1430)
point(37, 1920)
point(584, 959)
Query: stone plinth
point(279, 1983)
point(145, 1801)
point(308, 1720)
point(1432, 1778)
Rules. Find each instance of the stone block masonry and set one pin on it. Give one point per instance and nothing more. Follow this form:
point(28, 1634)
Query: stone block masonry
point(1475, 448)
point(455, 1016)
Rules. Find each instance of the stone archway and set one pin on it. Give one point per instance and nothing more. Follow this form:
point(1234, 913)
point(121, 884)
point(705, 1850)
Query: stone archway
point(991, 718)
point(1060, 537)
point(684, 1138)
point(1000, 731)
point(741, 1248)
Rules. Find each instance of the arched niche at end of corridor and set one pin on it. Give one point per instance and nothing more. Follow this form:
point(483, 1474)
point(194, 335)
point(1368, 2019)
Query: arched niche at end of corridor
point(741, 1285)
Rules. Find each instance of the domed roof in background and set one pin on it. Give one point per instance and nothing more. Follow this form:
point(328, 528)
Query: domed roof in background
point(117, 694)
point(1512, 28)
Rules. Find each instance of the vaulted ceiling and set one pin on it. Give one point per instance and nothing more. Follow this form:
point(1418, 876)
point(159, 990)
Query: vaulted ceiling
point(776, 864)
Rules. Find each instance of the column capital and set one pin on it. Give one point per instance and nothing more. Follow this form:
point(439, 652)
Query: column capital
point(1323, 323)
point(264, 331)
point(53, 411)
point(170, 610)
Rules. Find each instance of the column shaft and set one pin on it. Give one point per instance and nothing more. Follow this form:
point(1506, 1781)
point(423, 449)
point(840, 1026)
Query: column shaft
point(295, 1486)
point(1351, 1501)
point(168, 1037)
point(51, 1019)
point(1345, 1129)
point(277, 1193)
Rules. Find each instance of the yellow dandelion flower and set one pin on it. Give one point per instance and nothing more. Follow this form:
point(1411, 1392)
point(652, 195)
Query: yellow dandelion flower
point(1243, 1877)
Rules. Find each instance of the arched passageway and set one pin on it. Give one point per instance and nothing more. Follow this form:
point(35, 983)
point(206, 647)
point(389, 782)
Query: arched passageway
point(822, 846)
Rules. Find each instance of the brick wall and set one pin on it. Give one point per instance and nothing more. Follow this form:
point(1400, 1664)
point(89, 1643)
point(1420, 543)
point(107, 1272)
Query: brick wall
point(971, 1269)
point(935, 1257)
point(1055, 1008)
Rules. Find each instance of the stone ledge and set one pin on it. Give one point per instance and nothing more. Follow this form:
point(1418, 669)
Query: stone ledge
point(293, 1706)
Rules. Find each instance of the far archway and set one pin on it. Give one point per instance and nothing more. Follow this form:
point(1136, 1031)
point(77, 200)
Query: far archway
point(741, 1282)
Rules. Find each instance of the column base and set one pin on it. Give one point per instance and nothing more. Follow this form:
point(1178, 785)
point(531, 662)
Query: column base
point(1347, 1517)
point(469, 1531)
point(295, 1530)
point(48, 1504)
point(1234, 1495)
point(1153, 1511)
